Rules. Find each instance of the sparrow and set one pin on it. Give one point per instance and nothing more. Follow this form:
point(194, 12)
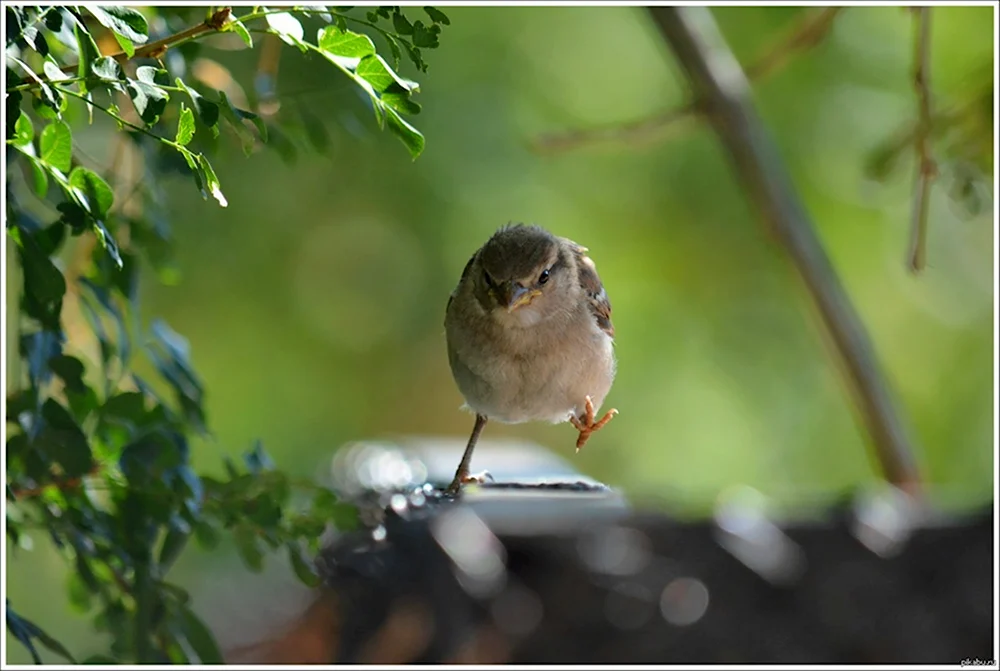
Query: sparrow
point(529, 336)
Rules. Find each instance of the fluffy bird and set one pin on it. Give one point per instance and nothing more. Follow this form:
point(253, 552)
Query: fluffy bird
point(529, 336)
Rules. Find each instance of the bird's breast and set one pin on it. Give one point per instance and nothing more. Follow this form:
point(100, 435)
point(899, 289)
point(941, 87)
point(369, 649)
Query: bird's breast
point(541, 373)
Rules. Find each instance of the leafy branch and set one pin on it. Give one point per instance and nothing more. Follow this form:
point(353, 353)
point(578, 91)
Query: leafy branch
point(98, 456)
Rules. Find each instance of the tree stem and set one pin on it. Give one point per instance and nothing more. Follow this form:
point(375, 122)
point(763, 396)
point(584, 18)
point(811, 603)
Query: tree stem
point(720, 83)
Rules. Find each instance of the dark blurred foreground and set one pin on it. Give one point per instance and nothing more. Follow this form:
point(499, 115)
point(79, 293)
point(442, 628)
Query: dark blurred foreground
point(559, 569)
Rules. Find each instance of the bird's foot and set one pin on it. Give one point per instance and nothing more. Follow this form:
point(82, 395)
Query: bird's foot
point(469, 479)
point(586, 426)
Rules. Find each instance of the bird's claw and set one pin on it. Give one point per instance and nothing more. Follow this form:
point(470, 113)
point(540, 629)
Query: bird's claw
point(469, 479)
point(587, 425)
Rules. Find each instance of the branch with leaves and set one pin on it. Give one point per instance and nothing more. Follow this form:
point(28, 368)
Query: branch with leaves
point(98, 456)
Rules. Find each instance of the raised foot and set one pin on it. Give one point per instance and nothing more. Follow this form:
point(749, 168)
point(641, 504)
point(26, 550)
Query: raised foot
point(469, 479)
point(587, 425)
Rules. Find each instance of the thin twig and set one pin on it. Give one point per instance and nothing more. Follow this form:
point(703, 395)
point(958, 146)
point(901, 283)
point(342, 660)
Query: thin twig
point(926, 167)
point(809, 32)
point(717, 79)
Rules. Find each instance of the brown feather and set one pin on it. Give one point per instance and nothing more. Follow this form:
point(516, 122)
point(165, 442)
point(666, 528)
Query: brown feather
point(600, 304)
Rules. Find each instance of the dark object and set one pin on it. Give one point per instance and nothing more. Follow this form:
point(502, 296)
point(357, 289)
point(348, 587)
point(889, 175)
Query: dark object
point(648, 589)
point(552, 567)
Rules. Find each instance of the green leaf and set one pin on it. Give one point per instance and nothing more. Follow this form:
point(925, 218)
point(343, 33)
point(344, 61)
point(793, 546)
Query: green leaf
point(328, 509)
point(200, 638)
point(63, 440)
point(206, 535)
point(79, 593)
point(237, 27)
point(437, 16)
point(211, 181)
point(44, 285)
point(12, 104)
point(401, 24)
point(374, 70)
point(148, 99)
point(25, 630)
point(185, 126)
point(287, 27)
point(345, 43)
point(400, 101)
point(53, 72)
point(235, 118)
point(87, 53)
point(107, 241)
point(56, 146)
point(424, 36)
point(70, 370)
point(207, 110)
point(107, 69)
point(53, 645)
point(173, 544)
point(123, 21)
point(41, 178)
point(126, 44)
point(304, 569)
point(410, 136)
point(245, 537)
point(152, 75)
point(24, 131)
point(98, 195)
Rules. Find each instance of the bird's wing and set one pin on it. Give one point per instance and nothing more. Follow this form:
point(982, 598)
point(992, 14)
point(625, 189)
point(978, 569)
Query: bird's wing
point(600, 304)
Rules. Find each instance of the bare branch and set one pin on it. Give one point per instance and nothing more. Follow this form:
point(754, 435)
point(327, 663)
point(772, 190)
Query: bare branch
point(718, 80)
point(926, 167)
point(807, 33)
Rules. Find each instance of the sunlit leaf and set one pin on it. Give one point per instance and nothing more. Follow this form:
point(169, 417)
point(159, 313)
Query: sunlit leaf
point(123, 21)
point(411, 137)
point(185, 126)
point(24, 131)
point(237, 27)
point(287, 27)
point(99, 195)
point(56, 146)
point(345, 43)
point(211, 181)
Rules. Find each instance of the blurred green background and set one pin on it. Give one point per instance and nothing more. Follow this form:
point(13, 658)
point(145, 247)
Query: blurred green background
point(314, 303)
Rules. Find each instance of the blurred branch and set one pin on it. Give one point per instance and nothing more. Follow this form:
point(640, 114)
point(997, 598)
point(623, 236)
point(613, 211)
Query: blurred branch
point(926, 168)
point(808, 32)
point(717, 80)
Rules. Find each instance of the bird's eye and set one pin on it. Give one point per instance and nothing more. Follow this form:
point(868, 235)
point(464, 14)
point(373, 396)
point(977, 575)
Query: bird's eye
point(489, 280)
point(544, 277)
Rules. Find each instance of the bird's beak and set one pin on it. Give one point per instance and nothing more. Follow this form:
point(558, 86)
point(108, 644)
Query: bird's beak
point(514, 295)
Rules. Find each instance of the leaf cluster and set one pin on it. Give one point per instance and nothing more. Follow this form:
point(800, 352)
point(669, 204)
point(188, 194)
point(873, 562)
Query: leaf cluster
point(99, 456)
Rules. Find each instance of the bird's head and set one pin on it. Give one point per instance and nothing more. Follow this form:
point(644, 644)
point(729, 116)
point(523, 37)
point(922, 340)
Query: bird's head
point(525, 275)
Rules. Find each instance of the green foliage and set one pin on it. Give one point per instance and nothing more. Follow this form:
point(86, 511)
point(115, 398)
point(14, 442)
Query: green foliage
point(98, 457)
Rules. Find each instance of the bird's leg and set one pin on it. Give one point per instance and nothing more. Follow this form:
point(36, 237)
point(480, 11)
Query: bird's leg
point(462, 474)
point(587, 425)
